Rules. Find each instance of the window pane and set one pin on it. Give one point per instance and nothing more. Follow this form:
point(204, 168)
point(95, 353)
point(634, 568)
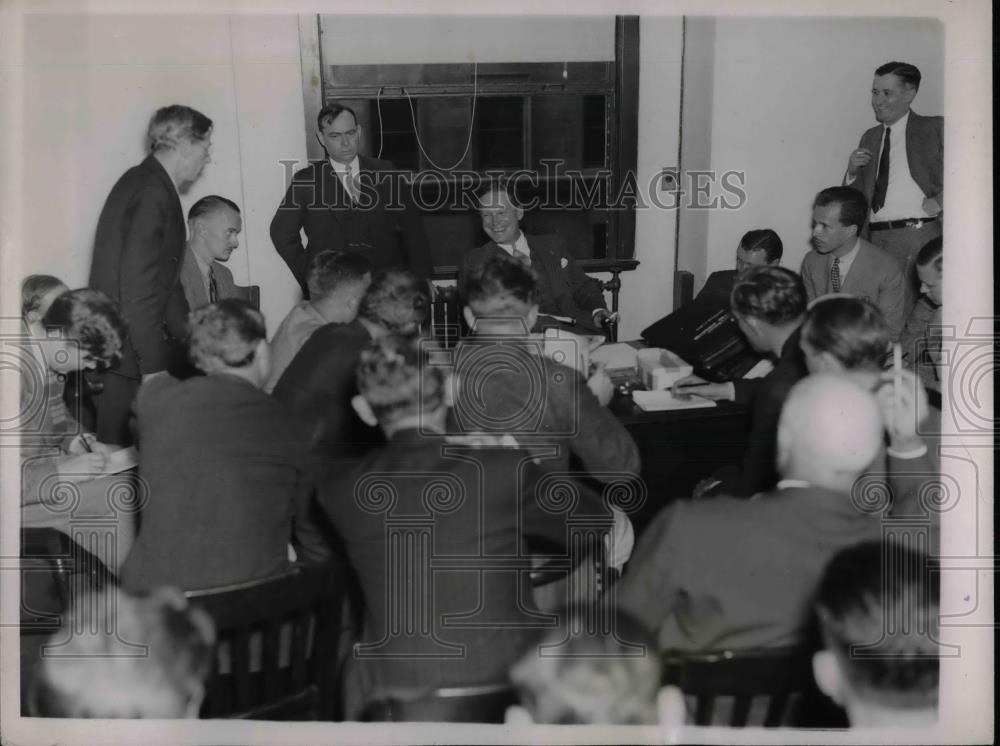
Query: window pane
point(500, 132)
point(393, 128)
point(444, 131)
point(570, 129)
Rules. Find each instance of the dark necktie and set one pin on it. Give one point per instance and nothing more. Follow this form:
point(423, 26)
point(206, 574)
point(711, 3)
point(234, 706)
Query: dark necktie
point(213, 288)
point(882, 178)
point(835, 275)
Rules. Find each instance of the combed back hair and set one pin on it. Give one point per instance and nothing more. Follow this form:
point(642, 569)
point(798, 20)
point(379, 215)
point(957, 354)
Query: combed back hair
point(763, 239)
point(853, 205)
point(906, 72)
point(773, 294)
point(93, 320)
point(330, 270)
point(34, 288)
point(852, 330)
point(502, 186)
point(330, 112)
point(580, 678)
point(224, 335)
point(397, 300)
point(502, 285)
point(882, 595)
point(393, 378)
point(932, 251)
point(171, 124)
point(121, 656)
point(210, 204)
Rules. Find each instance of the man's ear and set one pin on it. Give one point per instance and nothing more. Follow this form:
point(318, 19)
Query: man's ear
point(364, 410)
point(519, 212)
point(532, 318)
point(262, 356)
point(469, 316)
point(322, 144)
point(829, 677)
point(194, 703)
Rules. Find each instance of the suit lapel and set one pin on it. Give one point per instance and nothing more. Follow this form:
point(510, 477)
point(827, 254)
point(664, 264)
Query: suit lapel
point(860, 269)
point(194, 287)
point(334, 196)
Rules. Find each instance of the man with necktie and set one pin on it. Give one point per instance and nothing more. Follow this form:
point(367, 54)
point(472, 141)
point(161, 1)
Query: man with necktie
point(899, 167)
point(349, 202)
point(214, 226)
point(843, 262)
point(564, 290)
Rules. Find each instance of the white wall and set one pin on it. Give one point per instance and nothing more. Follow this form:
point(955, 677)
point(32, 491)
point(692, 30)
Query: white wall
point(790, 99)
point(103, 76)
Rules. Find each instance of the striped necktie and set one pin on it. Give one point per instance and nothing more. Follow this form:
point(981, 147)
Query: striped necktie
point(213, 288)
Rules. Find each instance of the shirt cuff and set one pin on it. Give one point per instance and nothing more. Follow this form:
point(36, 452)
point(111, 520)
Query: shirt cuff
point(910, 454)
point(731, 393)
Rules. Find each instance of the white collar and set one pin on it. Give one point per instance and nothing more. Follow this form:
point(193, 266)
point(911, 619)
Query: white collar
point(789, 484)
point(341, 168)
point(848, 258)
point(900, 124)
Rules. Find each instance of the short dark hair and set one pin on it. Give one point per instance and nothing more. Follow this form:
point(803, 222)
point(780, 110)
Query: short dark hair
point(330, 112)
point(210, 204)
point(503, 280)
point(93, 320)
point(932, 251)
point(36, 287)
point(172, 123)
point(883, 592)
point(853, 205)
point(224, 335)
point(906, 72)
point(763, 239)
point(396, 300)
point(393, 379)
point(330, 269)
point(852, 330)
point(773, 294)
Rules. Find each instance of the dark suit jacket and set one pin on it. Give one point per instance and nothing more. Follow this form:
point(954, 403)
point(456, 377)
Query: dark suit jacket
point(874, 275)
point(194, 288)
point(766, 396)
point(473, 506)
point(230, 479)
point(317, 202)
point(924, 153)
point(719, 285)
point(725, 573)
point(320, 382)
point(563, 288)
point(137, 252)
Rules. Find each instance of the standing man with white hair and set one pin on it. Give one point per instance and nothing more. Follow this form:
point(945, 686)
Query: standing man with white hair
point(739, 574)
point(137, 253)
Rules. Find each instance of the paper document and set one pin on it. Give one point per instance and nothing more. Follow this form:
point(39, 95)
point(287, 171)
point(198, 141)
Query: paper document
point(615, 356)
point(658, 401)
point(121, 460)
point(761, 369)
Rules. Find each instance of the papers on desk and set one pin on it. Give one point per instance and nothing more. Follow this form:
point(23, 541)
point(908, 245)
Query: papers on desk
point(761, 369)
point(659, 401)
point(121, 460)
point(615, 356)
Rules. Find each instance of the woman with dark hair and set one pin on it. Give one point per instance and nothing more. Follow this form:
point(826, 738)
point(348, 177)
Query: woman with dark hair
point(55, 451)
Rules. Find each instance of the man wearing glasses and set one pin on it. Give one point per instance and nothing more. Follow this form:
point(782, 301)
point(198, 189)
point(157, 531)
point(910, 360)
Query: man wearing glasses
point(349, 202)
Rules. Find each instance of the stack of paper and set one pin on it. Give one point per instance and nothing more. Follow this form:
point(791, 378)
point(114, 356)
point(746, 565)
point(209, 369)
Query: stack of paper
point(615, 356)
point(657, 401)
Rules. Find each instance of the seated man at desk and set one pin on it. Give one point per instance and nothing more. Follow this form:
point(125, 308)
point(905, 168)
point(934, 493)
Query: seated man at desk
point(759, 247)
point(214, 226)
point(563, 290)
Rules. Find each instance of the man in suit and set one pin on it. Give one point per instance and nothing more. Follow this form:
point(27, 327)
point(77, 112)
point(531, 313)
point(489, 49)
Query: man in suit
point(843, 262)
point(228, 468)
point(736, 574)
point(899, 167)
point(214, 226)
point(349, 202)
point(137, 253)
point(563, 288)
point(757, 247)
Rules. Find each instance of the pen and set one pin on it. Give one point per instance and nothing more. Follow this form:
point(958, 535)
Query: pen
point(693, 385)
point(86, 442)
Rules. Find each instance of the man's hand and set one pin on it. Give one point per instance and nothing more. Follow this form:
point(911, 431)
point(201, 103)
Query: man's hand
point(903, 410)
point(931, 206)
point(858, 160)
point(88, 443)
point(82, 467)
point(684, 388)
point(705, 487)
point(600, 384)
point(603, 315)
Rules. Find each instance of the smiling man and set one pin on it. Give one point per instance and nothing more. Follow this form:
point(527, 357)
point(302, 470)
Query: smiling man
point(214, 223)
point(843, 262)
point(899, 167)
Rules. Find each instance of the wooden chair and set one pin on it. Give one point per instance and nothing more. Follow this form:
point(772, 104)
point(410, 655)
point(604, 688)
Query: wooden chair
point(249, 293)
point(277, 646)
point(739, 689)
point(470, 704)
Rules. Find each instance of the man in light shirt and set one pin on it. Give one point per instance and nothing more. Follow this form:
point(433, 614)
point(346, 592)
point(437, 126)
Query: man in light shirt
point(899, 167)
point(349, 202)
point(843, 262)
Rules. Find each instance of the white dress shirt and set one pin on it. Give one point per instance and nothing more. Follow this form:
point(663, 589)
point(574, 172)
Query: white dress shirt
point(903, 197)
point(520, 244)
point(341, 170)
point(846, 261)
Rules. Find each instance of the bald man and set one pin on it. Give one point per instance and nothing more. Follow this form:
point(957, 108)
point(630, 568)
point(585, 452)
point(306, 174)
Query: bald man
point(738, 574)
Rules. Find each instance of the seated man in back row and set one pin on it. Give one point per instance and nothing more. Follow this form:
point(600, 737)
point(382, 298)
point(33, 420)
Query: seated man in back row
point(757, 247)
point(564, 291)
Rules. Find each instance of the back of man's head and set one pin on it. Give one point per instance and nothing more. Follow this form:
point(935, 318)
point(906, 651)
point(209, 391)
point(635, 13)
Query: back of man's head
point(118, 656)
point(878, 607)
point(765, 240)
point(397, 301)
point(501, 291)
point(572, 677)
point(769, 293)
point(172, 124)
point(393, 379)
point(829, 432)
point(225, 337)
point(851, 331)
point(331, 272)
